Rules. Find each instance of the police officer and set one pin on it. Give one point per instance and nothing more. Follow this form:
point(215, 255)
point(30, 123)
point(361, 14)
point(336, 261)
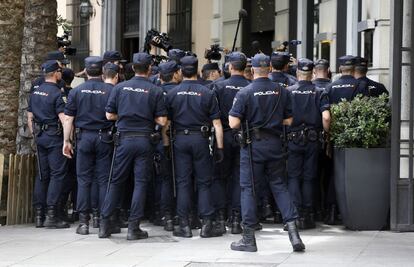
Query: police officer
point(248, 70)
point(62, 61)
point(193, 108)
point(361, 68)
point(115, 57)
point(229, 169)
point(309, 112)
point(137, 105)
point(210, 72)
point(45, 115)
point(263, 107)
point(164, 200)
point(280, 67)
point(111, 73)
point(86, 109)
point(321, 74)
point(346, 88)
point(176, 55)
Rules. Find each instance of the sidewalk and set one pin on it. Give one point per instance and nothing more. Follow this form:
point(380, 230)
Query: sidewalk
point(326, 246)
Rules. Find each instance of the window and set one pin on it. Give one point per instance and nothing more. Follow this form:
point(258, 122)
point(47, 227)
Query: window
point(368, 46)
point(130, 28)
point(179, 23)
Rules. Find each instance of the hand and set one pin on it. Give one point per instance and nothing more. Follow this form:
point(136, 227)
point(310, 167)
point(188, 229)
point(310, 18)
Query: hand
point(67, 149)
point(219, 155)
point(167, 152)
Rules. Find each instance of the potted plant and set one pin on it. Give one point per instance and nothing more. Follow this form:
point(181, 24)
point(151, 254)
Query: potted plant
point(359, 133)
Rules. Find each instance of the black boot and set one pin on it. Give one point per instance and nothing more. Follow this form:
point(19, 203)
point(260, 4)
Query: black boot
point(183, 229)
point(39, 217)
point(157, 220)
point(247, 243)
point(74, 216)
point(123, 218)
point(330, 215)
point(104, 228)
point(278, 217)
point(83, 227)
point(95, 218)
point(208, 229)
point(135, 232)
point(221, 221)
point(235, 225)
point(258, 227)
point(194, 221)
point(294, 237)
point(53, 221)
point(309, 219)
point(114, 223)
point(266, 211)
point(62, 212)
point(168, 222)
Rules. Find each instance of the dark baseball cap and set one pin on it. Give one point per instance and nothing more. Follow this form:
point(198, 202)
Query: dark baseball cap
point(57, 55)
point(361, 62)
point(168, 67)
point(261, 60)
point(176, 54)
point(305, 64)
point(283, 57)
point(112, 56)
point(322, 63)
point(50, 66)
point(347, 60)
point(188, 62)
point(237, 57)
point(111, 66)
point(210, 66)
point(93, 62)
point(142, 58)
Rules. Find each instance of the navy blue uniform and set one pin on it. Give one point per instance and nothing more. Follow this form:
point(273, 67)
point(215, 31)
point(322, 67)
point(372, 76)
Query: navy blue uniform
point(46, 103)
point(192, 106)
point(40, 80)
point(255, 103)
point(229, 169)
point(346, 87)
point(375, 89)
point(163, 180)
point(137, 102)
point(321, 83)
point(93, 138)
point(282, 78)
point(307, 106)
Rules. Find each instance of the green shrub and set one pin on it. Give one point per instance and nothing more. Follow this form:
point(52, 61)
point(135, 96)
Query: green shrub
point(364, 122)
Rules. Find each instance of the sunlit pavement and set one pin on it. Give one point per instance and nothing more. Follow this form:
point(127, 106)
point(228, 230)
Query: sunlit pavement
point(325, 246)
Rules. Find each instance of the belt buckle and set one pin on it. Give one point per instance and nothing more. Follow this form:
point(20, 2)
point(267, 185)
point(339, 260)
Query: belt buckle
point(186, 132)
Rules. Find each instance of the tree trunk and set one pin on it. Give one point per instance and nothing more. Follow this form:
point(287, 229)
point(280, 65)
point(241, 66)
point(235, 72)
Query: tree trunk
point(39, 37)
point(11, 33)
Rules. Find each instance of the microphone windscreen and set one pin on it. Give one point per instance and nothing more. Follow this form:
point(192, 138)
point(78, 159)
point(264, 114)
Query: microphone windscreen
point(242, 13)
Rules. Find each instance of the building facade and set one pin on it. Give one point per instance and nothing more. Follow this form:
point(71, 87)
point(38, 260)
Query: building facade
point(379, 30)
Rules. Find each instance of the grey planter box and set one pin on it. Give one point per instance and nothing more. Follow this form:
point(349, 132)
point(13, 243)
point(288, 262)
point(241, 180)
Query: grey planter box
point(362, 183)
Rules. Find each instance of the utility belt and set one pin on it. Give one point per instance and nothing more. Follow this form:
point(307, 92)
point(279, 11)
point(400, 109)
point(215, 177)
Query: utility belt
point(256, 134)
point(154, 137)
point(106, 135)
point(51, 129)
point(204, 131)
point(306, 135)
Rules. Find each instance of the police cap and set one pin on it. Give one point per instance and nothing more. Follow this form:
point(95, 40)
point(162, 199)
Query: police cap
point(237, 57)
point(93, 62)
point(176, 54)
point(361, 62)
point(305, 64)
point(57, 55)
point(142, 58)
point(283, 57)
point(50, 66)
point(111, 66)
point(260, 60)
point(168, 67)
point(322, 63)
point(210, 66)
point(189, 62)
point(346, 60)
point(112, 56)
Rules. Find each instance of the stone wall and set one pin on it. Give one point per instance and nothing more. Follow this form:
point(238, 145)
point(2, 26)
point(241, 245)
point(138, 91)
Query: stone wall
point(11, 32)
point(39, 37)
